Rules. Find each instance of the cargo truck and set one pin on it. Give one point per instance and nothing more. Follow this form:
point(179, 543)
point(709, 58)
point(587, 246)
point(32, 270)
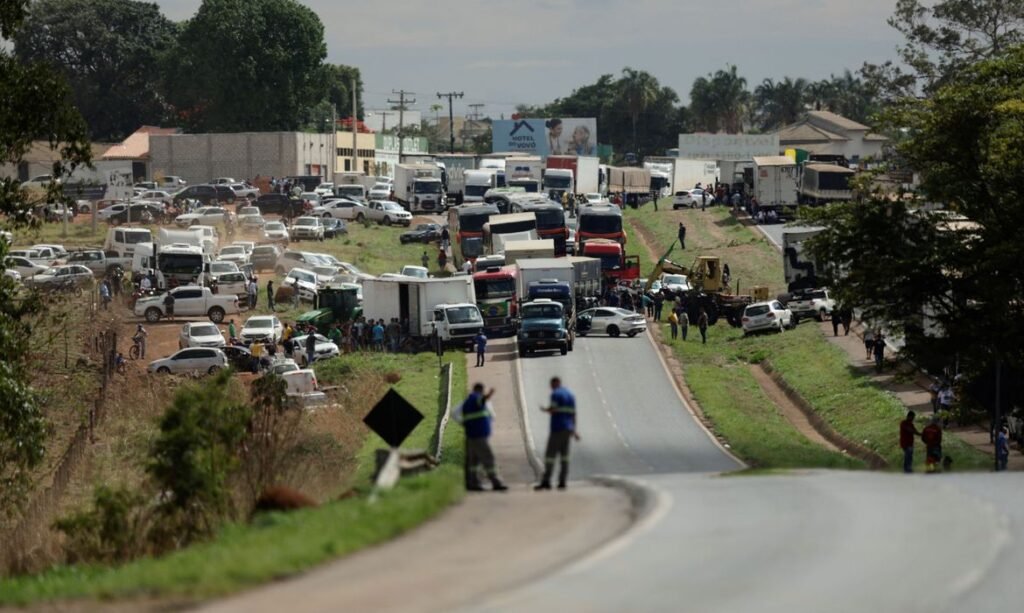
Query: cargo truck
point(516, 251)
point(514, 226)
point(775, 184)
point(418, 188)
point(454, 177)
point(478, 182)
point(682, 174)
point(447, 306)
point(629, 180)
point(583, 175)
point(526, 172)
point(547, 310)
point(821, 183)
point(495, 289)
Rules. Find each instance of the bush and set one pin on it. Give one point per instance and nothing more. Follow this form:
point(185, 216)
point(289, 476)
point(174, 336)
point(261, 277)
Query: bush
point(113, 530)
point(270, 454)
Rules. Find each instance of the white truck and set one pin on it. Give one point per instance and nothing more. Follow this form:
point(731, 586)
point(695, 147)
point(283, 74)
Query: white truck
point(478, 182)
point(526, 172)
point(800, 269)
point(418, 188)
point(516, 251)
point(447, 305)
point(682, 174)
point(194, 236)
point(189, 301)
point(179, 262)
point(775, 183)
point(455, 166)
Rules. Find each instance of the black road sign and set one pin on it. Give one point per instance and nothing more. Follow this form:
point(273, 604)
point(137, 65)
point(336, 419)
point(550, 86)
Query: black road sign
point(393, 418)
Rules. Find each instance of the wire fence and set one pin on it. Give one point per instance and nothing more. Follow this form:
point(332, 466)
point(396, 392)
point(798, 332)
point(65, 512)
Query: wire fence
point(23, 543)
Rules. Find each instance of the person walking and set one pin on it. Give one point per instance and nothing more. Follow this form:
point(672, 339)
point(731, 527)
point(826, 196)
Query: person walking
point(253, 291)
point(480, 341)
point(475, 415)
point(1002, 448)
point(684, 323)
point(105, 293)
point(673, 322)
point(702, 325)
point(681, 234)
point(310, 348)
point(425, 259)
point(232, 333)
point(869, 343)
point(169, 305)
point(270, 294)
point(445, 238)
point(847, 317)
point(879, 350)
point(563, 428)
point(931, 436)
point(836, 321)
point(907, 434)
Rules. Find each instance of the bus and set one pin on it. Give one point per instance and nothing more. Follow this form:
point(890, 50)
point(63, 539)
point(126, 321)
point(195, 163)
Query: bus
point(599, 221)
point(502, 228)
point(550, 218)
point(466, 228)
point(496, 297)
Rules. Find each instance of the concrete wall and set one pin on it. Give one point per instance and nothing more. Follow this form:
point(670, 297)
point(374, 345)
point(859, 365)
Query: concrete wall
point(198, 158)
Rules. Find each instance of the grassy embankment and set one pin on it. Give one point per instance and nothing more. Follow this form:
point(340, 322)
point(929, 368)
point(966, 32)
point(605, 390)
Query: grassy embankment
point(719, 376)
point(281, 544)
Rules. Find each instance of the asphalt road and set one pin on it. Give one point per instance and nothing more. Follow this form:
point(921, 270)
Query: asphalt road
point(774, 232)
point(630, 418)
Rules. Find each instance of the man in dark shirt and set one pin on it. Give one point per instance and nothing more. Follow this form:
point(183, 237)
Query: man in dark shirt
point(563, 429)
point(907, 435)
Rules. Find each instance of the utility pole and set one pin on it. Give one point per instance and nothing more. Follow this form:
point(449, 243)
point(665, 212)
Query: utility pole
point(475, 115)
point(384, 120)
point(451, 117)
point(355, 130)
point(401, 102)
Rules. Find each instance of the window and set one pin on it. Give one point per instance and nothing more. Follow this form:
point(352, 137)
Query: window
point(188, 294)
point(603, 313)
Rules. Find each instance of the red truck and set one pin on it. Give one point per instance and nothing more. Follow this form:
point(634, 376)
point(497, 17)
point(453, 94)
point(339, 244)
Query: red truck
point(615, 264)
point(575, 174)
point(496, 297)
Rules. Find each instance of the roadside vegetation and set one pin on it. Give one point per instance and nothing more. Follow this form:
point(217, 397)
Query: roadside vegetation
point(718, 373)
point(236, 555)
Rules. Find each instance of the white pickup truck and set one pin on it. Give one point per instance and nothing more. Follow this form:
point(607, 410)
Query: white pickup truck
point(189, 301)
point(812, 303)
point(101, 262)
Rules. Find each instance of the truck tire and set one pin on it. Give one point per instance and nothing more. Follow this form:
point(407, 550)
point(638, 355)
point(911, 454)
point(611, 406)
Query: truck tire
point(522, 352)
point(153, 315)
point(613, 331)
point(564, 349)
point(360, 217)
point(216, 314)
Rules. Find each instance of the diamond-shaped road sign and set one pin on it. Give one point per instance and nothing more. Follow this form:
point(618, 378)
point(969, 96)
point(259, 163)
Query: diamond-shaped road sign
point(393, 418)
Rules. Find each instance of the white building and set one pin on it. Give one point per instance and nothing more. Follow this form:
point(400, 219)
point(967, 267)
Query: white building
point(825, 133)
point(380, 120)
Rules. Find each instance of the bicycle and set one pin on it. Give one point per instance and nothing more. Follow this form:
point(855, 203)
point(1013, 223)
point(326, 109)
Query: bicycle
point(135, 351)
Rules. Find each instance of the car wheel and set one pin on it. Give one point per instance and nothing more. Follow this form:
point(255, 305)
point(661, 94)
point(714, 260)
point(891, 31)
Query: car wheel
point(153, 315)
point(632, 333)
point(327, 216)
point(216, 315)
point(613, 331)
point(387, 221)
point(195, 222)
point(360, 217)
point(821, 315)
point(402, 240)
point(163, 370)
point(213, 370)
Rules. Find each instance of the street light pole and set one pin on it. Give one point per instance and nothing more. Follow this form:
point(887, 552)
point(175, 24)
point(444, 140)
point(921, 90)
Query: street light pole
point(451, 117)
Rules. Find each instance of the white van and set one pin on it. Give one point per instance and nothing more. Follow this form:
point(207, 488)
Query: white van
point(301, 387)
point(123, 239)
point(351, 191)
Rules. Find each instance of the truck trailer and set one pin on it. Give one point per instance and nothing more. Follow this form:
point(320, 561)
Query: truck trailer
point(583, 175)
point(447, 305)
point(775, 183)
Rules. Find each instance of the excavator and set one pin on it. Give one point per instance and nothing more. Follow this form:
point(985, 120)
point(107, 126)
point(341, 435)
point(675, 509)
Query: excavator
point(708, 289)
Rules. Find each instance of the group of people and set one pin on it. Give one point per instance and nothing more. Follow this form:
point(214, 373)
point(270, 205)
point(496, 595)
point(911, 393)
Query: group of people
point(369, 335)
point(874, 346)
point(476, 415)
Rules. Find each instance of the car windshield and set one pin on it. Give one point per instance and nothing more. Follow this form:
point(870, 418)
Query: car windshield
point(305, 221)
point(674, 280)
point(424, 227)
point(303, 276)
point(275, 226)
point(463, 315)
point(547, 311)
point(260, 323)
point(137, 236)
point(352, 269)
point(495, 288)
point(557, 182)
point(223, 267)
point(325, 271)
point(391, 206)
point(760, 309)
point(205, 330)
point(232, 251)
point(600, 224)
point(427, 187)
point(550, 218)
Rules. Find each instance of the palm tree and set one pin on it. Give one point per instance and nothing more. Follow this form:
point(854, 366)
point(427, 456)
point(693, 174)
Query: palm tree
point(719, 101)
point(637, 90)
point(781, 103)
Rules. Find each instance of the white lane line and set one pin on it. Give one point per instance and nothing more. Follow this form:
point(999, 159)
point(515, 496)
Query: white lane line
point(611, 417)
point(524, 423)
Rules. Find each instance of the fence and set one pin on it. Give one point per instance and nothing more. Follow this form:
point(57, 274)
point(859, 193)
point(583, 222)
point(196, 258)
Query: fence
point(24, 541)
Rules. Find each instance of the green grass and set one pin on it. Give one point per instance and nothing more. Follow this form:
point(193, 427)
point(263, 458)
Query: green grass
point(282, 544)
point(718, 373)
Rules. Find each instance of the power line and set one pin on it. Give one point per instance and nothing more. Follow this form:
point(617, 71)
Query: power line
point(451, 117)
point(401, 102)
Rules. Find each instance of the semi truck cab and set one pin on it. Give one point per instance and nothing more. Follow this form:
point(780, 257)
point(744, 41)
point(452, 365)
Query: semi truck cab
point(542, 327)
point(457, 324)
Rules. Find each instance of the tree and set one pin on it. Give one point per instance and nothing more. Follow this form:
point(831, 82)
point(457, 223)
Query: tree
point(780, 104)
point(36, 104)
point(637, 89)
point(965, 275)
point(109, 51)
point(719, 101)
point(338, 81)
point(274, 49)
point(945, 37)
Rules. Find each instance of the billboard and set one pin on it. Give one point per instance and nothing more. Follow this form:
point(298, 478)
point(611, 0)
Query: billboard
point(727, 147)
point(544, 137)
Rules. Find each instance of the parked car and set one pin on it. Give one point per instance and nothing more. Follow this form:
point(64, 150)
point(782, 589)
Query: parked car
point(189, 301)
point(198, 359)
point(233, 253)
point(242, 214)
point(812, 303)
point(311, 197)
point(276, 232)
point(282, 366)
point(217, 268)
point(341, 208)
point(139, 212)
point(387, 213)
point(325, 349)
point(279, 204)
point(235, 283)
point(207, 216)
point(307, 280)
point(244, 190)
point(690, 198)
point(204, 194)
point(156, 195)
point(675, 283)
point(612, 321)
point(291, 259)
point(262, 328)
point(223, 181)
point(324, 189)
point(25, 267)
point(171, 181)
point(380, 191)
point(200, 334)
point(101, 262)
point(264, 257)
point(415, 271)
point(334, 228)
point(307, 228)
point(766, 316)
point(13, 275)
point(67, 277)
point(422, 233)
point(239, 357)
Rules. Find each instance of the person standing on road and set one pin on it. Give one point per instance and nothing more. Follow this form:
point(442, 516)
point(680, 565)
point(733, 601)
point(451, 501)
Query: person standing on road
point(659, 302)
point(475, 415)
point(879, 350)
point(253, 291)
point(907, 434)
point(1002, 448)
point(836, 320)
point(480, 340)
point(445, 238)
point(270, 294)
point(426, 259)
point(232, 333)
point(702, 324)
point(684, 323)
point(563, 429)
point(931, 436)
point(869, 342)
point(682, 236)
point(378, 336)
point(169, 306)
point(105, 293)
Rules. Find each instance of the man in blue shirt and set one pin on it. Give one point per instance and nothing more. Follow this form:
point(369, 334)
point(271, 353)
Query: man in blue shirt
point(480, 340)
point(475, 415)
point(563, 428)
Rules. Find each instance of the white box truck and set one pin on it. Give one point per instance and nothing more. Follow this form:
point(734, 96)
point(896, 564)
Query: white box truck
point(448, 303)
point(775, 183)
point(526, 172)
point(516, 251)
point(418, 188)
point(478, 182)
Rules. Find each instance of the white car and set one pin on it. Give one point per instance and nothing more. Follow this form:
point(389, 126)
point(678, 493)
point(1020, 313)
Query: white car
point(220, 267)
point(243, 190)
point(14, 275)
point(766, 316)
point(308, 228)
point(594, 198)
point(612, 321)
point(207, 215)
point(308, 281)
point(324, 349)
point(380, 191)
point(387, 213)
point(282, 366)
point(200, 334)
point(690, 198)
point(675, 283)
point(415, 271)
point(262, 328)
point(249, 216)
point(247, 245)
point(341, 208)
point(324, 189)
point(155, 195)
point(23, 266)
point(193, 359)
point(313, 198)
point(352, 269)
point(233, 253)
point(276, 232)
point(108, 212)
point(223, 181)
point(812, 303)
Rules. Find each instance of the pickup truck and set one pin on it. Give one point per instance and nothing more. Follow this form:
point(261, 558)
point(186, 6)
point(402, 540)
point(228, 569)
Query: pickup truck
point(189, 301)
point(101, 262)
point(388, 213)
point(812, 303)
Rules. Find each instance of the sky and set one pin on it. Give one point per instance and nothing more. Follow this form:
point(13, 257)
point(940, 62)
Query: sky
point(500, 54)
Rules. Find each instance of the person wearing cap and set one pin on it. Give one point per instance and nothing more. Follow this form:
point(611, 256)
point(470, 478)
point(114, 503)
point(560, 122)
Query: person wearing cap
point(475, 415)
point(563, 428)
point(907, 433)
point(480, 341)
point(931, 436)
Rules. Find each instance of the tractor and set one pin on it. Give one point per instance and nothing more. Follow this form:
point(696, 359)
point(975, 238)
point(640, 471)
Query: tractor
point(334, 305)
point(708, 290)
